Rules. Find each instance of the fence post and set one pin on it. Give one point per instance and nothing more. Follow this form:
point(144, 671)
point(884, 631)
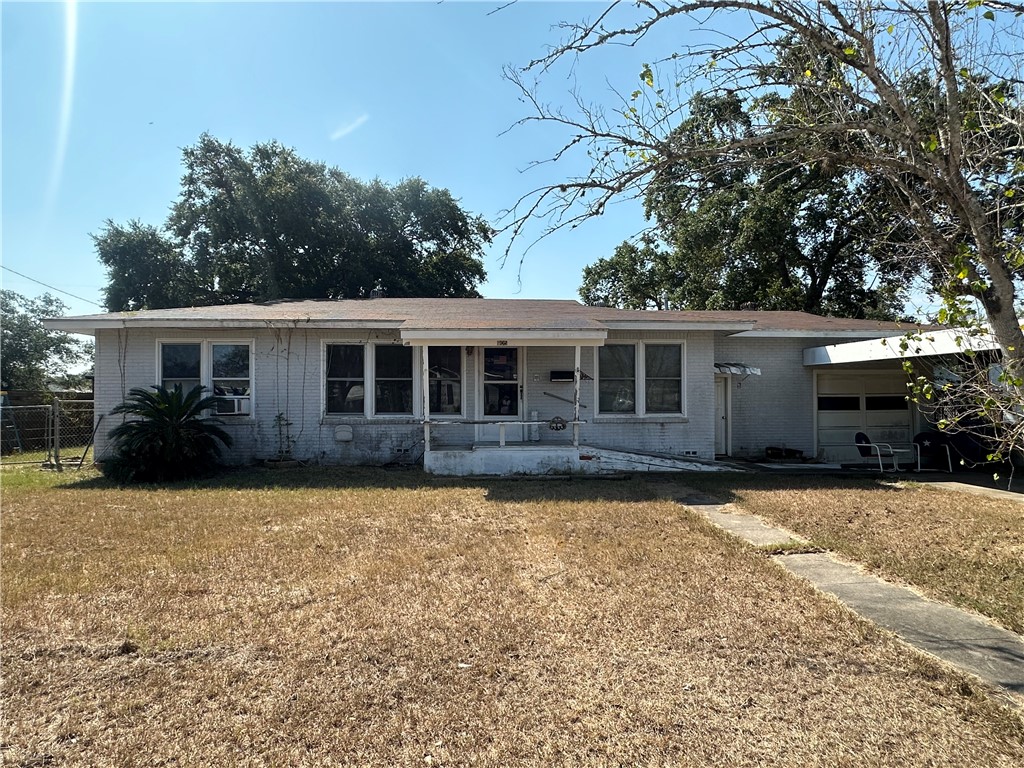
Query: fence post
point(56, 434)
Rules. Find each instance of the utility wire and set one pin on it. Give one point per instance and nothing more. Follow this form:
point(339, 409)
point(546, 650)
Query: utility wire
point(53, 287)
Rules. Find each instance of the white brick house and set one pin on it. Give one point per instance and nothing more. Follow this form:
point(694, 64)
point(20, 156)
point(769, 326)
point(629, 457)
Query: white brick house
point(506, 385)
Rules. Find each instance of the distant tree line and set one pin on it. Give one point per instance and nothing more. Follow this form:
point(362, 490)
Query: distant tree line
point(30, 355)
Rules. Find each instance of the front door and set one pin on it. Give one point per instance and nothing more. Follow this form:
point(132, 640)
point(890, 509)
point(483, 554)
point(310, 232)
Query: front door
point(501, 392)
point(721, 415)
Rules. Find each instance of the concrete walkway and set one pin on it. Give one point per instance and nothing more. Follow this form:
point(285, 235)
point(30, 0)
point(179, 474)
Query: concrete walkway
point(962, 639)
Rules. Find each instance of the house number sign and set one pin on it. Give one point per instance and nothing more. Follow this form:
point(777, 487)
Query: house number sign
point(502, 342)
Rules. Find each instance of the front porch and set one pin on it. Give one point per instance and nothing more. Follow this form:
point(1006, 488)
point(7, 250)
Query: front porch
point(530, 400)
point(492, 459)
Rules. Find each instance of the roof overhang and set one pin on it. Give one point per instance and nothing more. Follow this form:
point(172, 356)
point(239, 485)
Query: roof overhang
point(88, 326)
point(500, 337)
point(932, 343)
point(839, 334)
point(677, 327)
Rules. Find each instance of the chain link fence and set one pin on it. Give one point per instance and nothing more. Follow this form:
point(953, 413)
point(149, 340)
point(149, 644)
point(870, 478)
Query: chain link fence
point(54, 435)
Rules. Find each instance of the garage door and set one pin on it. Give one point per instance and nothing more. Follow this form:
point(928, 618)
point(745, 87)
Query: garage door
point(875, 404)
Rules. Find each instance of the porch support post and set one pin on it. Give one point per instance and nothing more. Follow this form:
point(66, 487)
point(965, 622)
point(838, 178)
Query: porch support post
point(576, 401)
point(425, 387)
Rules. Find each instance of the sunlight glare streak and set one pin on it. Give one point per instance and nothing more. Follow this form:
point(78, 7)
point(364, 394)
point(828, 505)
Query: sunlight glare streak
point(348, 128)
point(66, 100)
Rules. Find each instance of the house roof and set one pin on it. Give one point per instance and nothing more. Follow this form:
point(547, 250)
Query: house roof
point(423, 319)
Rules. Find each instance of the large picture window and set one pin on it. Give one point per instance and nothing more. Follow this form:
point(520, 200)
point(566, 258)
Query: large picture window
point(346, 384)
point(393, 379)
point(223, 368)
point(445, 382)
point(641, 379)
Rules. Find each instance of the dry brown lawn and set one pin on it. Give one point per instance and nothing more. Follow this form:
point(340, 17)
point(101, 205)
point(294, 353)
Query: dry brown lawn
point(958, 547)
point(372, 618)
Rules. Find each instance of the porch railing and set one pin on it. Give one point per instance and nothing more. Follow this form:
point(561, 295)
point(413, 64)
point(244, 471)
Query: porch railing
point(502, 425)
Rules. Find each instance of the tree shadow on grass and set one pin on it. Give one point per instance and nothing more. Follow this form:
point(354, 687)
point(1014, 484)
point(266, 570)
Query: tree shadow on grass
point(497, 489)
point(724, 488)
point(718, 487)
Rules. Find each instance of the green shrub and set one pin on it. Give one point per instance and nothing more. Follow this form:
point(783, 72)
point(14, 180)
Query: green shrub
point(170, 437)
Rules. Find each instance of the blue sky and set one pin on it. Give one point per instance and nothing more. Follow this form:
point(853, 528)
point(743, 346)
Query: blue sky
point(388, 90)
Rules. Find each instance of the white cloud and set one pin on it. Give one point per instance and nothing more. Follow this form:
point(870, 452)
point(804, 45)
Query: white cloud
point(347, 128)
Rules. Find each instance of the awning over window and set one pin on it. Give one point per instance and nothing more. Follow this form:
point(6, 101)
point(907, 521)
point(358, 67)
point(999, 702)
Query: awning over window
point(737, 369)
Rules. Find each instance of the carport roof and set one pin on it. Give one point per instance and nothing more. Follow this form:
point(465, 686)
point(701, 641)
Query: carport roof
point(928, 343)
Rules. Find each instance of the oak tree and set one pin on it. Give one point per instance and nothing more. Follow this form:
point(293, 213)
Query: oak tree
point(267, 224)
point(923, 101)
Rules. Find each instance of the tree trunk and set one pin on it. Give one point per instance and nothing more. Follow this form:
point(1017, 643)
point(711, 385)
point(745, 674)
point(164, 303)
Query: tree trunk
point(998, 301)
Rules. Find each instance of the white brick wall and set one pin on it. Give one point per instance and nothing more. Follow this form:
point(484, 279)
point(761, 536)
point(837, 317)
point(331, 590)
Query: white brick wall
point(288, 379)
point(672, 435)
point(775, 408)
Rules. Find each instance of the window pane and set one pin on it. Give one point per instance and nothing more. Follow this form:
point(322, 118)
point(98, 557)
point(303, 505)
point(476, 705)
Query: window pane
point(394, 396)
point(445, 379)
point(180, 361)
point(616, 396)
point(238, 406)
point(664, 396)
point(885, 403)
point(617, 361)
point(393, 390)
point(501, 364)
point(664, 361)
point(663, 364)
point(345, 396)
point(839, 403)
point(445, 362)
point(345, 386)
point(501, 399)
point(230, 361)
point(345, 361)
point(445, 396)
point(187, 385)
point(394, 362)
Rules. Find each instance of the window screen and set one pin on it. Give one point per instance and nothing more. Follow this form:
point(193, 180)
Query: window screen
point(617, 378)
point(345, 382)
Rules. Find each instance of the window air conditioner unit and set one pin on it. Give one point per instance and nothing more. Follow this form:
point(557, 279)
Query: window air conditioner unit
point(233, 406)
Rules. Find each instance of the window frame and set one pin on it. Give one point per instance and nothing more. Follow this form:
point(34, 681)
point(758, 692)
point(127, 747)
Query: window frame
point(638, 383)
point(640, 367)
point(206, 344)
point(369, 411)
point(323, 379)
point(682, 379)
point(461, 413)
point(371, 407)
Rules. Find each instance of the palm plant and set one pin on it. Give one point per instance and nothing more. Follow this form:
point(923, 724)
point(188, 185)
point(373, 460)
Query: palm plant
point(170, 437)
